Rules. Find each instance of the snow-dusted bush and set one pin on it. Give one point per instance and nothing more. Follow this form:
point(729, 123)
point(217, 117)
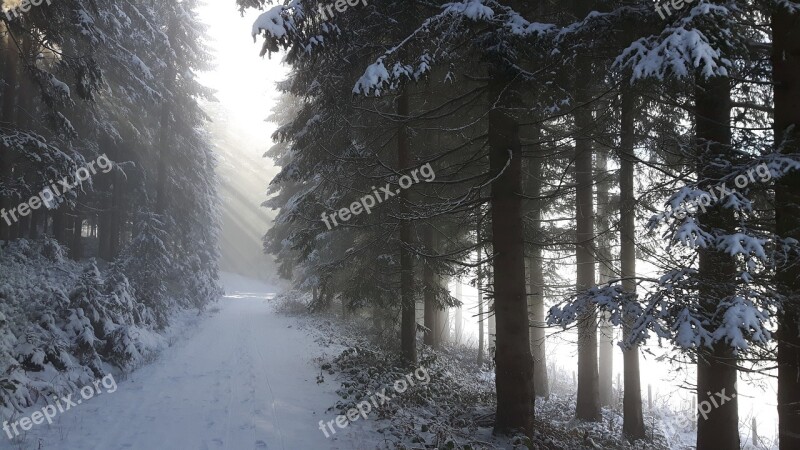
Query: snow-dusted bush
point(293, 302)
point(65, 323)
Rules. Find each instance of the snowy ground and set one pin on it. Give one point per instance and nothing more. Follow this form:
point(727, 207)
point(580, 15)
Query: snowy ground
point(243, 379)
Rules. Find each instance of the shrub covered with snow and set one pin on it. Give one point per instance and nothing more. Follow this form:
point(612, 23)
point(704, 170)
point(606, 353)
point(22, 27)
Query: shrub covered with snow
point(65, 323)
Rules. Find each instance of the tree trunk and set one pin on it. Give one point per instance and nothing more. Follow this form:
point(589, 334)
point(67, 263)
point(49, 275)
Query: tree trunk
point(36, 221)
point(633, 420)
point(408, 320)
point(443, 325)
point(8, 106)
point(786, 70)
point(479, 285)
point(514, 370)
point(443, 313)
point(117, 214)
point(459, 315)
point(76, 245)
point(536, 308)
point(540, 383)
point(429, 279)
point(491, 324)
point(588, 397)
point(481, 318)
point(60, 226)
point(606, 274)
point(716, 367)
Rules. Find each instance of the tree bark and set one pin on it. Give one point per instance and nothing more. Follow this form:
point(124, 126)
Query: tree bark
point(443, 314)
point(76, 244)
point(8, 105)
point(481, 317)
point(633, 420)
point(538, 344)
point(429, 279)
point(36, 220)
point(60, 226)
point(514, 370)
point(408, 321)
point(606, 274)
point(117, 213)
point(786, 69)
point(491, 325)
point(588, 397)
point(536, 309)
point(459, 315)
point(479, 285)
point(716, 367)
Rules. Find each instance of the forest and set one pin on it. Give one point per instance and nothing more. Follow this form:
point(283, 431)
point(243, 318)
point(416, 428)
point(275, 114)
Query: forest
point(539, 225)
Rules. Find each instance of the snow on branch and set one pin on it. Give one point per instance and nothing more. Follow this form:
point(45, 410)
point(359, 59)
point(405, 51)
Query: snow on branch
point(277, 22)
point(743, 323)
point(610, 298)
point(680, 50)
point(382, 75)
point(678, 54)
point(472, 9)
point(291, 25)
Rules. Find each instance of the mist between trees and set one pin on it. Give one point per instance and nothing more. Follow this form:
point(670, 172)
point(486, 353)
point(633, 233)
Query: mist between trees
point(556, 131)
point(367, 202)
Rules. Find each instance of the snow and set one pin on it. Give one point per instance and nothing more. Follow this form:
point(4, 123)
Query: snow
point(142, 67)
point(473, 9)
point(60, 86)
point(680, 50)
point(742, 321)
point(375, 76)
point(244, 378)
point(271, 22)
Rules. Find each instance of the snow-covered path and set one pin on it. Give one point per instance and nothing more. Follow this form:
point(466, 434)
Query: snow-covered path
point(244, 379)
